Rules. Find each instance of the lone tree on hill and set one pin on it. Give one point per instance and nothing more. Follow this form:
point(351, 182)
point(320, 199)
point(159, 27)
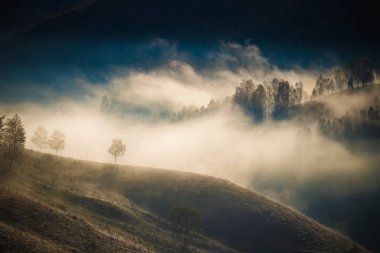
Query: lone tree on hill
point(57, 141)
point(13, 137)
point(117, 148)
point(41, 138)
point(184, 220)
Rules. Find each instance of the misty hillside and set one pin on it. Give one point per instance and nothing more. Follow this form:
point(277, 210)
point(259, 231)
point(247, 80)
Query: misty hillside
point(263, 115)
point(54, 204)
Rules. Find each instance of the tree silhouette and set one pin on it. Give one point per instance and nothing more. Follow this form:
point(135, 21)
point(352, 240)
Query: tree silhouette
point(257, 103)
point(117, 148)
point(184, 220)
point(13, 137)
point(341, 78)
point(40, 138)
point(360, 72)
point(1, 130)
point(57, 141)
point(244, 91)
point(282, 100)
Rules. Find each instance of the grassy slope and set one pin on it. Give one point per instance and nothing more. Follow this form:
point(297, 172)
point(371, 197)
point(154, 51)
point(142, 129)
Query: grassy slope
point(48, 202)
point(29, 226)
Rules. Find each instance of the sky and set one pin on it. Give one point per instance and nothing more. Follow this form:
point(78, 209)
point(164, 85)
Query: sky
point(52, 45)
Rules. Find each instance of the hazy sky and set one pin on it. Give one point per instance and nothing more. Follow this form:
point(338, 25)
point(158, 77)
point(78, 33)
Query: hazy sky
point(223, 144)
point(52, 45)
point(58, 62)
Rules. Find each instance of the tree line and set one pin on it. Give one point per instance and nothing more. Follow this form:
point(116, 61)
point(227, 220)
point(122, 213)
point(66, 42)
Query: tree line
point(13, 138)
point(356, 74)
point(279, 99)
point(354, 124)
point(270, 100)
point(56, 142)
point(276, 99)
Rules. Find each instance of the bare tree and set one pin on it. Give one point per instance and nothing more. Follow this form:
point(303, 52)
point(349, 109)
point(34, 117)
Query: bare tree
point(57, 141)
point(117, 148)
point(41, 138)
point(184, 220)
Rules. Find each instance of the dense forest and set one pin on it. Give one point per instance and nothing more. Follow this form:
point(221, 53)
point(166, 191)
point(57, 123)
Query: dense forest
point(279, 99)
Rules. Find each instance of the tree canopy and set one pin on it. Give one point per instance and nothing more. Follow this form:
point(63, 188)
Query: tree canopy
point(117, 148)
point(13, 136)
point(57, 141)
point(41, 138)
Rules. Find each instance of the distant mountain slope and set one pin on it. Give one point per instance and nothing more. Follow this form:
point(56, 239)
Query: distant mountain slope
point(128, 206)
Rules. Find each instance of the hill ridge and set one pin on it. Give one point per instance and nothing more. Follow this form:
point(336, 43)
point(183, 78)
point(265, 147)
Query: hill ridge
point(133, 203)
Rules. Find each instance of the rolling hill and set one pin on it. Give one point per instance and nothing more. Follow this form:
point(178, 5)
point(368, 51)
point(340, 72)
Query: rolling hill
point(55, 204)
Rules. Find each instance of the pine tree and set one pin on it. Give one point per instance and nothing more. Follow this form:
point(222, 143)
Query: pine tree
point(13, 137)
point(1, 130)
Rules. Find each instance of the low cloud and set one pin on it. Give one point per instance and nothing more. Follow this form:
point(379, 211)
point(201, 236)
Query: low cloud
point(223, 144)
point(178, 83)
